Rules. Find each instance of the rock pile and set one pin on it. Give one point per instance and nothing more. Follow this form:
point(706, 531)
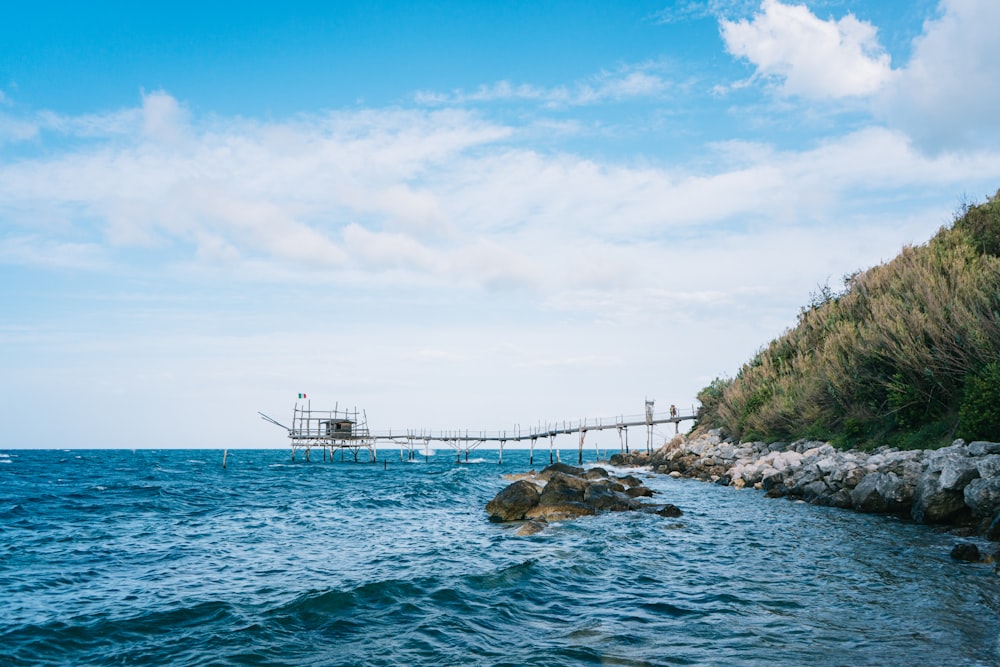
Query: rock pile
point(562, 492)
point(956, 485)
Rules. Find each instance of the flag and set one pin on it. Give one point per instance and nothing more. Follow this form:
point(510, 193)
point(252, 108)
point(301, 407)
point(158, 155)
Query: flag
point(302, 396)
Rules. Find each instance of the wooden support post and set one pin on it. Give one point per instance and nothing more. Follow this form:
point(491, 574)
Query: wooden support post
point(224, 452)
point(583, 434)
point(531, 452)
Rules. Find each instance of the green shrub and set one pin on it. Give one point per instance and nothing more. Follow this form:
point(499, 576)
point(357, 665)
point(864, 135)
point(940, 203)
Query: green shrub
point(895, 358)
point(979, 415)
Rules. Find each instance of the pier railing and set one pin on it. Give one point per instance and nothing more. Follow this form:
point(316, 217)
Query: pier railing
point(320, 429)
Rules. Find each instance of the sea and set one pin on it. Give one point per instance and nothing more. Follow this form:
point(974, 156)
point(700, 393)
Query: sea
point(165, 557)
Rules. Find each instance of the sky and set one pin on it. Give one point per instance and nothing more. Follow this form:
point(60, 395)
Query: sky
point(452, 215)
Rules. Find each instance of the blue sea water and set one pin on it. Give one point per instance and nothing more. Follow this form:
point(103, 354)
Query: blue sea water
point(165, 558)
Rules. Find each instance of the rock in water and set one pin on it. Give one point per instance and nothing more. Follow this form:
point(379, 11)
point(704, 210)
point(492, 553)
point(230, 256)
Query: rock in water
point(530, 528)
point(966, 551)
point(669, 511)
point(560, 468)
point(513, 502)
point(568, 493)
point(562, 489)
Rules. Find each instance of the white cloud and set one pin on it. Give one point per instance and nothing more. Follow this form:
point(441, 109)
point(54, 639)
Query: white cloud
point(811, 57)
point(686, 10)
point(52, 254)
point(439, 197)
point(625, 83)
point(573, 284)
point(163, 119)
point(13, 130)
point(947, 95)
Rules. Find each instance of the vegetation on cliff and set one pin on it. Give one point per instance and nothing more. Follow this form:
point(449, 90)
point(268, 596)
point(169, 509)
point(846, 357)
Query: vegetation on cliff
point(908, 354)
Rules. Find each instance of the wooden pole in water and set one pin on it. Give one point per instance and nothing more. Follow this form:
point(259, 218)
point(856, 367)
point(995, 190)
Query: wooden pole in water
point(224, 452)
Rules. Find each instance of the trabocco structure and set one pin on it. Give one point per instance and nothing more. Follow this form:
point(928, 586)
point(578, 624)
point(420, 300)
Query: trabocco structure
point(347, 430)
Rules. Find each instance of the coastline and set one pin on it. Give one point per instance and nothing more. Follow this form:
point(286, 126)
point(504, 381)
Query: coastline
point(957, 487)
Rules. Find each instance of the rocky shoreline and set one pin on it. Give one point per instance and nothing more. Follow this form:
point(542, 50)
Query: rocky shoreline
point(957, 486)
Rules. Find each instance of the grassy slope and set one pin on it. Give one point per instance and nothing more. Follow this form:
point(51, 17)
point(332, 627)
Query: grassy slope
point(891, 360)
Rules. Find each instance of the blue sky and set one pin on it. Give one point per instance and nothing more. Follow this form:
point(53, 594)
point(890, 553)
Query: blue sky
point(452, 214)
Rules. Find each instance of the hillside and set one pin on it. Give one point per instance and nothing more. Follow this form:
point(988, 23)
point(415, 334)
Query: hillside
point(908, 354)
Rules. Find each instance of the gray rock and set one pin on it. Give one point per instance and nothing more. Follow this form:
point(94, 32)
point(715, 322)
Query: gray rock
point(530, 528)
point(669, 511)
point(982, 496)
point(816, 492)
point(630, 480)
point(559, 512)
point(841, 498)
point(989, 465)
point(966, 551)
point(561, 468)
point(932, 502)
point(853, 476)
point(513, 503)
point(865, 497)
point(604, 497)
point(882, 493)
point(957, 472)
point(562, 489)
point(982, 448)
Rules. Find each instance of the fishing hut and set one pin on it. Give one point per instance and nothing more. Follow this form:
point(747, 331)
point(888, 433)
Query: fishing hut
point(328, 430)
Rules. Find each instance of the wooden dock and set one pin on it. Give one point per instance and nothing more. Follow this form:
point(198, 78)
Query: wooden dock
point(347, 430)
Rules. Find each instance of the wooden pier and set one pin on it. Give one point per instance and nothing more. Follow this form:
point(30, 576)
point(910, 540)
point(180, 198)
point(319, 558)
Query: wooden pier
point(347, 430)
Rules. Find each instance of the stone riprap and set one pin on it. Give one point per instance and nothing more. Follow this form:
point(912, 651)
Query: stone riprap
point(956, 485)
point(563, 492)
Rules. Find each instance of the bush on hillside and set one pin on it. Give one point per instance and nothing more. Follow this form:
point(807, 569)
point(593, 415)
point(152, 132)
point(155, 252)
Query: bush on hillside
point(886, 361)
point(979, 415)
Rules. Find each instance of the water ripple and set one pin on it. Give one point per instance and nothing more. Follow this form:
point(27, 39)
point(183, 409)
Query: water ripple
point(165, 558)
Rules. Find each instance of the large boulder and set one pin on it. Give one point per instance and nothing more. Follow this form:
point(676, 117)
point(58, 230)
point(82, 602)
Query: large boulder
point(562, 469)
point(982, 448)
point(568, 493)
point(562, 489)
point(982, 496)
point(938, 496)
point(932, 503)
point(966, 551)
point(609, 498)
point(514, 502)
point(988, 466)
point(882, 493)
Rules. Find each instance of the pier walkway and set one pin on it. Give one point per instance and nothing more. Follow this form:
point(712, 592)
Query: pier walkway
point(348, 430)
